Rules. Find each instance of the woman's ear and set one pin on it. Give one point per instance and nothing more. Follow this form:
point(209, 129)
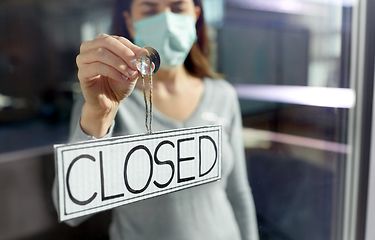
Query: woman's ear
point(197, 12)
point(129, 23)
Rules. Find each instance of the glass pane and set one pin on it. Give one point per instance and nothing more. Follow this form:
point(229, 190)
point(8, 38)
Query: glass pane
point(289, 63)
point(39, 41)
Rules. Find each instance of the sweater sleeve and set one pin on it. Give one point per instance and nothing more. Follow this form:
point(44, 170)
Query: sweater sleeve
point(76, 134)
point(238, 189)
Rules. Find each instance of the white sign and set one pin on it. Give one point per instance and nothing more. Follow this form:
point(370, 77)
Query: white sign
point(98, 175)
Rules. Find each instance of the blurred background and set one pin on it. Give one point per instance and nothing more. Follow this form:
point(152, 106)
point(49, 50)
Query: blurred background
point(303, 70)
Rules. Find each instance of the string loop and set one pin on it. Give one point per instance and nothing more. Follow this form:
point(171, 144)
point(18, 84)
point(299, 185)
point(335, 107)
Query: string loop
point(148, 111)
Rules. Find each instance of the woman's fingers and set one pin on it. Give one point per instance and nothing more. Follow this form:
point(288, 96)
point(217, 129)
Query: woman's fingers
point(119, 46)
point(128, 44)
point(91, 71)
point(106, 57)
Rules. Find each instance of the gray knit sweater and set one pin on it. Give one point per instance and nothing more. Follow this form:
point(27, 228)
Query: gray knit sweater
point(219, 210)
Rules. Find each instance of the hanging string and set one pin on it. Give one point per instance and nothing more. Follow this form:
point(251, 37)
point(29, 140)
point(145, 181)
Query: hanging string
point(148, 113)
point(151, 100)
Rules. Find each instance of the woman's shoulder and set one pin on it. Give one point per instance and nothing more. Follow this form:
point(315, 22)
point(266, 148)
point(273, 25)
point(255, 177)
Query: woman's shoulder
point(220, 87)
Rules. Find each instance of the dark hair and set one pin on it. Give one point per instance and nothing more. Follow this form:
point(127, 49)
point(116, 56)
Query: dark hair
point(197, 62)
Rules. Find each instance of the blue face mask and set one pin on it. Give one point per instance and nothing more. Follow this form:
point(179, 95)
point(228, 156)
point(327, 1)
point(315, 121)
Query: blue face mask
point(171, 34)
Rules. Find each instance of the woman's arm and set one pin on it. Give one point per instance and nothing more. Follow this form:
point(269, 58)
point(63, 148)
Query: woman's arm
point(238, 190)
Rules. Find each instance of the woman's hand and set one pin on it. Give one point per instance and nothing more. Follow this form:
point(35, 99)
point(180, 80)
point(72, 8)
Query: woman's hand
point(107, 73)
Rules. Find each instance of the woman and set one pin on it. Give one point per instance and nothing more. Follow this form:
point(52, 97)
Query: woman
point(184, 95)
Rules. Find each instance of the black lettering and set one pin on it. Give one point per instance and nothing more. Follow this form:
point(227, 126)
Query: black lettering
point(168, 162)
point(179, 160)
point(76, 201)
point(200, 155)
point(126, 166)
point(102, 181)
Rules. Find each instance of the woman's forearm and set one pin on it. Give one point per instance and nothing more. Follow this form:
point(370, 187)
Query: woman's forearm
point(96, 123)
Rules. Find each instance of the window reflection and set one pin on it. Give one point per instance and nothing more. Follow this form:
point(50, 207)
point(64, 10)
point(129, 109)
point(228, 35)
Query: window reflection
point(295, 157)
point(289, 61)
point(283, 42)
